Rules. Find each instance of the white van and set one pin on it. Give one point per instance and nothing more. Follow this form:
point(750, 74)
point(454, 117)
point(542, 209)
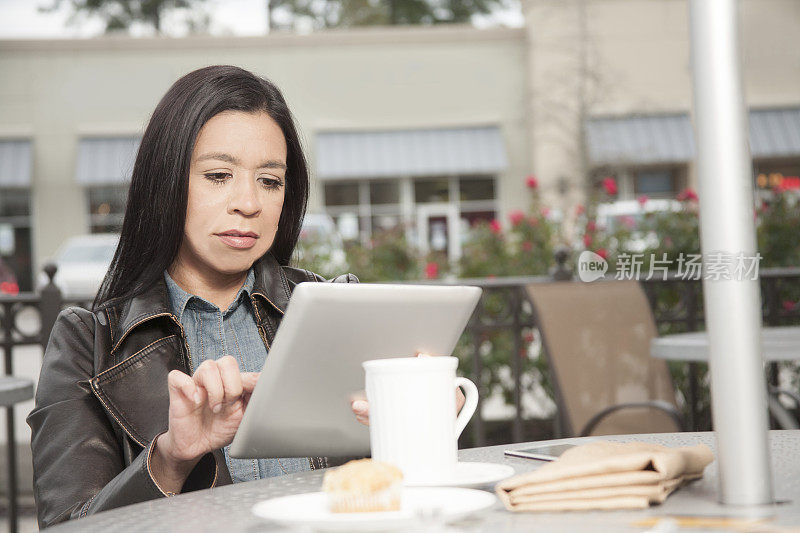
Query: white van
point(613, 216)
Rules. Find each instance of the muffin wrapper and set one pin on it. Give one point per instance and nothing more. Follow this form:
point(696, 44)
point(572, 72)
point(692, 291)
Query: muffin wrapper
point(387, 499)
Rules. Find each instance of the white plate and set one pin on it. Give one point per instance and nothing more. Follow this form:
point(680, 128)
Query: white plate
point(471, 475)
point(310, 510)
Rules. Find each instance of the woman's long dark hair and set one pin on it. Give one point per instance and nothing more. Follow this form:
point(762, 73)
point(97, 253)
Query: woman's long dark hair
point(152, 229)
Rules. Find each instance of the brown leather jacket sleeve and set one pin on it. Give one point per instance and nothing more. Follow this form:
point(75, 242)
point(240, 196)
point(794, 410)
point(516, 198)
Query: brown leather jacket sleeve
point(80, 461)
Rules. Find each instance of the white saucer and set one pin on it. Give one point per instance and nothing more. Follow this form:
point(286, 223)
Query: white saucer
point(470, 475)
point(418, 504)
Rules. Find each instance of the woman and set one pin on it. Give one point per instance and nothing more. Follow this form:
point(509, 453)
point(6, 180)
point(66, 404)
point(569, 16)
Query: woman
point(140, 397)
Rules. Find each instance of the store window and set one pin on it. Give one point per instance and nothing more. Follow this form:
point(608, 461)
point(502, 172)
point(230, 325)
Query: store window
point(653, 182)
point(658, 183)
point(431, 190)
point(476, 188)
point(16, 166)
point(435, 212)
point(106, 207)
point(341, 194)
point(777, 175)
point(344, 202)
point(384, 192)
point(15, 236)
point(104, 168)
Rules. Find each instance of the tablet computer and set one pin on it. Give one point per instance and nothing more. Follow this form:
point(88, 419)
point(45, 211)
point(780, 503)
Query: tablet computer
point(301, 404)
point(542, 452)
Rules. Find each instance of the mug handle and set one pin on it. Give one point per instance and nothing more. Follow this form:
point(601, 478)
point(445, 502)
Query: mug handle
point(471, 403)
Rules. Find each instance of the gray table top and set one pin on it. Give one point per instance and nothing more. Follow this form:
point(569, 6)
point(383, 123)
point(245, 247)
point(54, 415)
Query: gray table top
point(778, 344)
point(228, 508)
point(14, 390)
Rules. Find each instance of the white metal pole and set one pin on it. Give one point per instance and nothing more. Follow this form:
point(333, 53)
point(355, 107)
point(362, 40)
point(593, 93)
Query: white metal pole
point(732, 306)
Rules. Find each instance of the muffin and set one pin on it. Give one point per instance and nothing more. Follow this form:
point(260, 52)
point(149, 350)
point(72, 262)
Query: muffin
point(363, 486)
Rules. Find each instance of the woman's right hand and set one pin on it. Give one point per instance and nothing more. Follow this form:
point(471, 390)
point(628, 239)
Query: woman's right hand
point(205, 411)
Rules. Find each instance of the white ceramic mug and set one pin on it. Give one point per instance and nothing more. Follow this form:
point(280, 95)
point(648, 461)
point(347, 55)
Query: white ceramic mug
point(412, 413)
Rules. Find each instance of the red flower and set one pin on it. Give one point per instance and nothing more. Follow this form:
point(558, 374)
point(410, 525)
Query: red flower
point(494, 225)
point(790, 182)
point(9, 287)
point(528, 337)
point(491, 276)
point(587, 240)
point(591, 226)
point(432, 270)
point(642, 200)
point(534, 220)
point(545, 211)
point(687, 195)
point(579, 210)
point(602, 253)
point(532, 182)
point(516, 217)
point(788, 305)
point(527, 246)
point(610, 186)
point(628, 221)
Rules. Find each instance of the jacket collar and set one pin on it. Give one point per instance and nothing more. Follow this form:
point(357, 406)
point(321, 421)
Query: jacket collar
point(270, 285)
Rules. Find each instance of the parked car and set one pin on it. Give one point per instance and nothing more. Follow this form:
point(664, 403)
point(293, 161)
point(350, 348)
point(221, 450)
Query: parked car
point(8, 281)
point(82, 263)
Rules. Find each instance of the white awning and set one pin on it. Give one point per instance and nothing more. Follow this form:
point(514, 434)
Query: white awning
point(775, 132)
point(376, 154)
point(106, 160)
point(646, 139)
point(15, 163)
point(640, 139)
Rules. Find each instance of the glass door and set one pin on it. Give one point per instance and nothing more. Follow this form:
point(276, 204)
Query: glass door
point(439, 230)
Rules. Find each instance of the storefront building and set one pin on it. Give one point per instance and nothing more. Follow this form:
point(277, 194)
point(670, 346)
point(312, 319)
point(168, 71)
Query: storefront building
point(428, 129)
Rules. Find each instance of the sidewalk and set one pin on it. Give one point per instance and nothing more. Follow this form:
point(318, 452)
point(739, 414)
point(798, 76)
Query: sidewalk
point(27, 524)
point(26, 514)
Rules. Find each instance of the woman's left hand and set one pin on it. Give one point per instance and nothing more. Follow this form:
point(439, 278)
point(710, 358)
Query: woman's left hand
point(360, 405)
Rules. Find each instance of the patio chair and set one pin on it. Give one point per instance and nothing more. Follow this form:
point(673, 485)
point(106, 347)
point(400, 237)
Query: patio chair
point(597, 340)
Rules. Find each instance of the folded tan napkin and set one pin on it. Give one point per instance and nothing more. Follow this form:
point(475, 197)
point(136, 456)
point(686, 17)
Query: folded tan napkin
point(605, 475)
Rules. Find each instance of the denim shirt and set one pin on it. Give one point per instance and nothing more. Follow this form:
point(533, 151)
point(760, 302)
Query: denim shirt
point(211, 334)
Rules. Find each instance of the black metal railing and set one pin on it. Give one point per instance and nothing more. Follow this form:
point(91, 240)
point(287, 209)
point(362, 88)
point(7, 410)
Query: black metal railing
point(46, 306)
point(677, 305)
point(10, 337)
point(503, 309)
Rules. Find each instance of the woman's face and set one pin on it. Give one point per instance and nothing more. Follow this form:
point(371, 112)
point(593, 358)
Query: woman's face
point(237, 182)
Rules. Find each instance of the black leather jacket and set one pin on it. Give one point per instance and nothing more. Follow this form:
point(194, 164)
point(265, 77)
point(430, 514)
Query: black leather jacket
point(102, 397)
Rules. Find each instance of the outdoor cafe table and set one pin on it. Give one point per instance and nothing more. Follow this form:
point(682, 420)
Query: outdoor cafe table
point(777, 343)
point(227, 509)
